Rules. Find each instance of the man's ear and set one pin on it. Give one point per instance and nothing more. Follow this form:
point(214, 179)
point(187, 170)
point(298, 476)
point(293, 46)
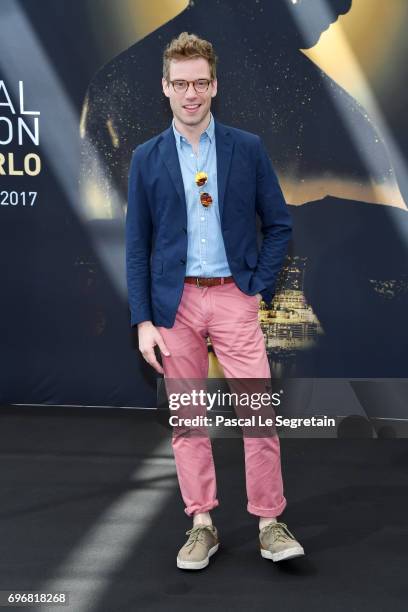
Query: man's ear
point(214, 88)
point(165, 87)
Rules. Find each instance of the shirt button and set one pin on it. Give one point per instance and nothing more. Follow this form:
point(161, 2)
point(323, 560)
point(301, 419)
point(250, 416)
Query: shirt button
point(204, 262)
point(202, 239)
point(202, 218)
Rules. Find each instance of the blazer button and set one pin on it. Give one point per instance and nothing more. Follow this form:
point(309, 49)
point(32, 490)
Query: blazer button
point(184, 229)
point(182, 261)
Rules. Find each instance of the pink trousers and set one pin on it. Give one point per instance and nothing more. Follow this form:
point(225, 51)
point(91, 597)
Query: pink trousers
point(230, 318)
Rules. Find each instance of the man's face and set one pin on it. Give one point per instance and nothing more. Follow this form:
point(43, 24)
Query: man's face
point(189, 107)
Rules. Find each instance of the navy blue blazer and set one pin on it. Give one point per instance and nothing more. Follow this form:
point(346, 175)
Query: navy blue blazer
point(156, 222)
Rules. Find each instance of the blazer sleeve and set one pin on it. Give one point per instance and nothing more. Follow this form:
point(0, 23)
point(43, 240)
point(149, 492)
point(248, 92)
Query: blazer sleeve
point(138, 244)
point(276, 223)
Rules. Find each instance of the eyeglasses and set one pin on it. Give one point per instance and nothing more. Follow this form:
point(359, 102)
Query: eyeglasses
point(200, 85)
point(201, 179)
point(205, 199)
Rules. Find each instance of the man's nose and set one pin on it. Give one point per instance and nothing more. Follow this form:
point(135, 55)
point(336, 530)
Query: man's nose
point(192, 91)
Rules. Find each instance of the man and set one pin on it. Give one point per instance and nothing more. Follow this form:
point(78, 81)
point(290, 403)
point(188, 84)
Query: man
point(194, 271)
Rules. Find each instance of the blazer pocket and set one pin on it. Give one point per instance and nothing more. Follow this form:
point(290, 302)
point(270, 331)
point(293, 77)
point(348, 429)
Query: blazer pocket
point(251, 257)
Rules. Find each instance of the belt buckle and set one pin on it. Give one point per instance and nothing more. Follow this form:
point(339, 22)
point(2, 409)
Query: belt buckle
point(198, 282)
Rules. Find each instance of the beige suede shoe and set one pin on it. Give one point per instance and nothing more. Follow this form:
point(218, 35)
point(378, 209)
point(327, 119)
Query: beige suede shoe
point(277, 543)
point(201, 544)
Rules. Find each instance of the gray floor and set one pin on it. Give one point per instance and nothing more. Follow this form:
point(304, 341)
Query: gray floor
point(90, 506)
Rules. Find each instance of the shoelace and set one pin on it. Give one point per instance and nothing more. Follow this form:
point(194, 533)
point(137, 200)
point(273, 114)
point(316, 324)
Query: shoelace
point(279, 531)
point(196, 534)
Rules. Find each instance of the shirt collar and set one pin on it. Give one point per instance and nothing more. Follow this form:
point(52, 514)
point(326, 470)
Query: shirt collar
point(209, 131)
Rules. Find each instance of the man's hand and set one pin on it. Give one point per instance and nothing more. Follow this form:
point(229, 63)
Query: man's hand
point(259, 296)
point(149, 337)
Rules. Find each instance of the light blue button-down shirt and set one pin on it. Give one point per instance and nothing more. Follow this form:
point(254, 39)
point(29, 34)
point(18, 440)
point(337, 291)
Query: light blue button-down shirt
point(205, 250)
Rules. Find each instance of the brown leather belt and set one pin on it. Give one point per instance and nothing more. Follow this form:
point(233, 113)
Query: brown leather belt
point(199, 281)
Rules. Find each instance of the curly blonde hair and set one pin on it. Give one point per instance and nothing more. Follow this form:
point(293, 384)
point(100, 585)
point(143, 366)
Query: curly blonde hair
point(186, 46)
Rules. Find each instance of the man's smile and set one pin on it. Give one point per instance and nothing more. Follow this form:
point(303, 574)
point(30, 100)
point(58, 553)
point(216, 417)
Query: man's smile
point(191, 107)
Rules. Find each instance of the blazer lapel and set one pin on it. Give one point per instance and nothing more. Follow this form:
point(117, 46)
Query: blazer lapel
point(224, 146)
point(168, 151)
